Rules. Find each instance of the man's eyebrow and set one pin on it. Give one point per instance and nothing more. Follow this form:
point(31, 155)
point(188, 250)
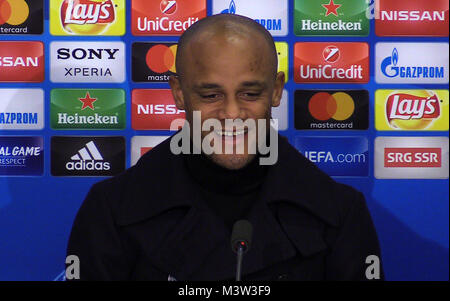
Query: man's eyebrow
point(254, 84)
point(204, 86)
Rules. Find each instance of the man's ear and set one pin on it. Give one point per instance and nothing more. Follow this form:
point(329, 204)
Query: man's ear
point(278, 89)
point(177, 92)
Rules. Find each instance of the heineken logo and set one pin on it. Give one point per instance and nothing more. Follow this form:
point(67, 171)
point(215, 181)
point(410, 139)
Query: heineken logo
point(88, 109)
point(331, 8)
point(331, 18)
point(87, 101)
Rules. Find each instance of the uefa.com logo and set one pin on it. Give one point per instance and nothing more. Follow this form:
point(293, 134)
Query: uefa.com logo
point(229, 138)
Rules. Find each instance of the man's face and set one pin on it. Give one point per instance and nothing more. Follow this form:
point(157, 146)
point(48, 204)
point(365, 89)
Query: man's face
point(229, 77)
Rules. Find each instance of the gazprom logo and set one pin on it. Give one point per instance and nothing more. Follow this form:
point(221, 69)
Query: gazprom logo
point(269, 24)
point(395, 56)
point(390, 60)
point(231, 9)
point(391, 68)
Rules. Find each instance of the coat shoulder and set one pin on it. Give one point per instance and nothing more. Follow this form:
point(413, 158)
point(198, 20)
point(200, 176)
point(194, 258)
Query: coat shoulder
point(142, 190)
point(306, 186)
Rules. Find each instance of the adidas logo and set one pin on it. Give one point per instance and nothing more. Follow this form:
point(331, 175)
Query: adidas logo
point(88, 158)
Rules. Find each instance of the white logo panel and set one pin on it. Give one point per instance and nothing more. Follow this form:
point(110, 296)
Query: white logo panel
point(21, 109)
point(411, 158)
point(415, 63)
point(141, 144)
point(281, 112)
point(87, 62)
point(273, 15)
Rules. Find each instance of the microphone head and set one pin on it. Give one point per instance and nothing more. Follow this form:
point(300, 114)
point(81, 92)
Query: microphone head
point(241, 235)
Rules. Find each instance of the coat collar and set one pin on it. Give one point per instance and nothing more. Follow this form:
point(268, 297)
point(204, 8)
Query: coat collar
point(161, 175)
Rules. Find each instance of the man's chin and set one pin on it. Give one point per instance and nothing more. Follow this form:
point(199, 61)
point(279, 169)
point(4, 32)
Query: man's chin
point(232, 161)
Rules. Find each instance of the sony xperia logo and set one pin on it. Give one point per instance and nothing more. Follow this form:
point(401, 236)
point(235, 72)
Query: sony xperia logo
point(89, 54)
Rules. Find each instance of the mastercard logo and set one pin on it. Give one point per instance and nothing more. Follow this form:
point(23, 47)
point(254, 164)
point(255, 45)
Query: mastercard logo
point(13, 12)
point(338, 106)
point(161, 58)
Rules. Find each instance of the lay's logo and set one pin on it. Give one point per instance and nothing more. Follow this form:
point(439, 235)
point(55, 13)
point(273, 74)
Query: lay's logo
point(87, 17)
point(411, 110)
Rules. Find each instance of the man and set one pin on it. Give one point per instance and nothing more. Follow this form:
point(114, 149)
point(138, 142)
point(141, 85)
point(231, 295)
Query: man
point(170, 216)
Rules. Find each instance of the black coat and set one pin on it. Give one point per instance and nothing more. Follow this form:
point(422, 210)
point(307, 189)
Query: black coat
point(146, 224)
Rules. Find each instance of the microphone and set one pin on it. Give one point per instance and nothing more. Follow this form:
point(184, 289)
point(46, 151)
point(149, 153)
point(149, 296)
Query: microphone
point(241, 240)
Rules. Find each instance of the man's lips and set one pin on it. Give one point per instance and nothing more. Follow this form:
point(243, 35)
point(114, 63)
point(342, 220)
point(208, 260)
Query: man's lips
point(231, 133)
point(232, 137)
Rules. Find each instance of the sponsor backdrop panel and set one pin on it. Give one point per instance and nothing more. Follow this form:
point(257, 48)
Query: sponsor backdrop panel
point(84, 93)
point(21, 109)
point(106, 18)
point(411, 110)
point(87, 109)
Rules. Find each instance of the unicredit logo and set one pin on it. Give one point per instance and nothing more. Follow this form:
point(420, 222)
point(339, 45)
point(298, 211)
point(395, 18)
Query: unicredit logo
point(168, 7)
point(338, 62)
point(166, 17)
point(331, 54)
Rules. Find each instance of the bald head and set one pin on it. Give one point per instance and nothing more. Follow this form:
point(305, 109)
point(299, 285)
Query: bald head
point(225, 27)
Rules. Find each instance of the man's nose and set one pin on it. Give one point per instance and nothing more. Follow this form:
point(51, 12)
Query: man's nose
point(231, 108)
